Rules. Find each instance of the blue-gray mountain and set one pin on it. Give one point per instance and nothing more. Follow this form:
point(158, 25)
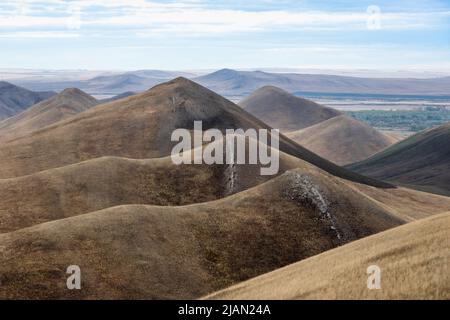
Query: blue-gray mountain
point(14, 99)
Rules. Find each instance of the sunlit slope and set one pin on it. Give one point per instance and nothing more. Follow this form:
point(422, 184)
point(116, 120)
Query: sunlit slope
point(414, 260)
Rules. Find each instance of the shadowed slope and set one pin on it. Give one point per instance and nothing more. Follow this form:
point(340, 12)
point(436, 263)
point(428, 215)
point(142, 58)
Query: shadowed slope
point(421, 161)
point(62, 106)
point(140, 127)
point(342, 140)
point(414, 261)
point(284, 111)
point(14, 99)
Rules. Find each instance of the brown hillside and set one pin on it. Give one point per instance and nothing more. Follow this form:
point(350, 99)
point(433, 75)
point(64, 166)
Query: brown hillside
point(186, 252)
point(342, 140)
point(284, 111)
point(139, 127)
point(414, 260)
point(421, 161)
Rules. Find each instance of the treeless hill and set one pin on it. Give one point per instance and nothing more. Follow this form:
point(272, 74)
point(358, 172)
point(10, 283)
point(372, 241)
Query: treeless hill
point(421, 161)
point(414, 262)
point(155, 252)
point(110, 181)
point(59, 107)
point(14, 99)
point(342, 140)
point(135, 249)
point(140, 127)
point(284, 111)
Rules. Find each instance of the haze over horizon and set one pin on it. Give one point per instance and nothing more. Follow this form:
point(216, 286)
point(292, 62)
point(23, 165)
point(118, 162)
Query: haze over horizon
point(191, 35)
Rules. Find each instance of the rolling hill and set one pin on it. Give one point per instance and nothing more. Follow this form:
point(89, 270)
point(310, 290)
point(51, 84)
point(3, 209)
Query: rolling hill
point(98, 190)
point(284, 111)
point(414, 263)
point(421, 161)
point(342, 140)
point(140, 127)
point(59, 107)
point(14, 99)
point(155, 252)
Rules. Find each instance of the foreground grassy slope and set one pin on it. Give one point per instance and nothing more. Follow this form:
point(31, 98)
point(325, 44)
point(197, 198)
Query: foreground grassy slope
point(414, 261)
point(186, 252)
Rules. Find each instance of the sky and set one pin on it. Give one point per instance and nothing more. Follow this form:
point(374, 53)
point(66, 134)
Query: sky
point(213, 34)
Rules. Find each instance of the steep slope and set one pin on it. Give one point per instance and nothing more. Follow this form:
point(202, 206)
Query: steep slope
point(59, 107)
point(284, 111)
point(140, 127)
point(185, 252)
point(14, 99)
point(342, 140)
point(414, 262)
point(421, 161)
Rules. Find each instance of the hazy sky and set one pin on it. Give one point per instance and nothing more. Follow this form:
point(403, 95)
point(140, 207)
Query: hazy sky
point(195, 34)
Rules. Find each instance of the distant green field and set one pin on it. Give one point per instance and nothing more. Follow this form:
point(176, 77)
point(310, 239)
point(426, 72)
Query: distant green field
point(408, 120)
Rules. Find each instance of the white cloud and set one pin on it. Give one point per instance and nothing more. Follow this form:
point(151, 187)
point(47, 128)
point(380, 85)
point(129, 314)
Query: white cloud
point(39, 34)
point(191, 18)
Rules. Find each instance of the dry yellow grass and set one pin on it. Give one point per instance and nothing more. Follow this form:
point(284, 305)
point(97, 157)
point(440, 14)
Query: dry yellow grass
point(111, 181)
point(136, 227)
point(414, 261)
point(188, 251)
point(139, 127)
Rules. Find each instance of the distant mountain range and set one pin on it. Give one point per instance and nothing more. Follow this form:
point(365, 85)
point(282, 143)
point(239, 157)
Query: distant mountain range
point(14, 99)
point(236, 84)
point(110, 84)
